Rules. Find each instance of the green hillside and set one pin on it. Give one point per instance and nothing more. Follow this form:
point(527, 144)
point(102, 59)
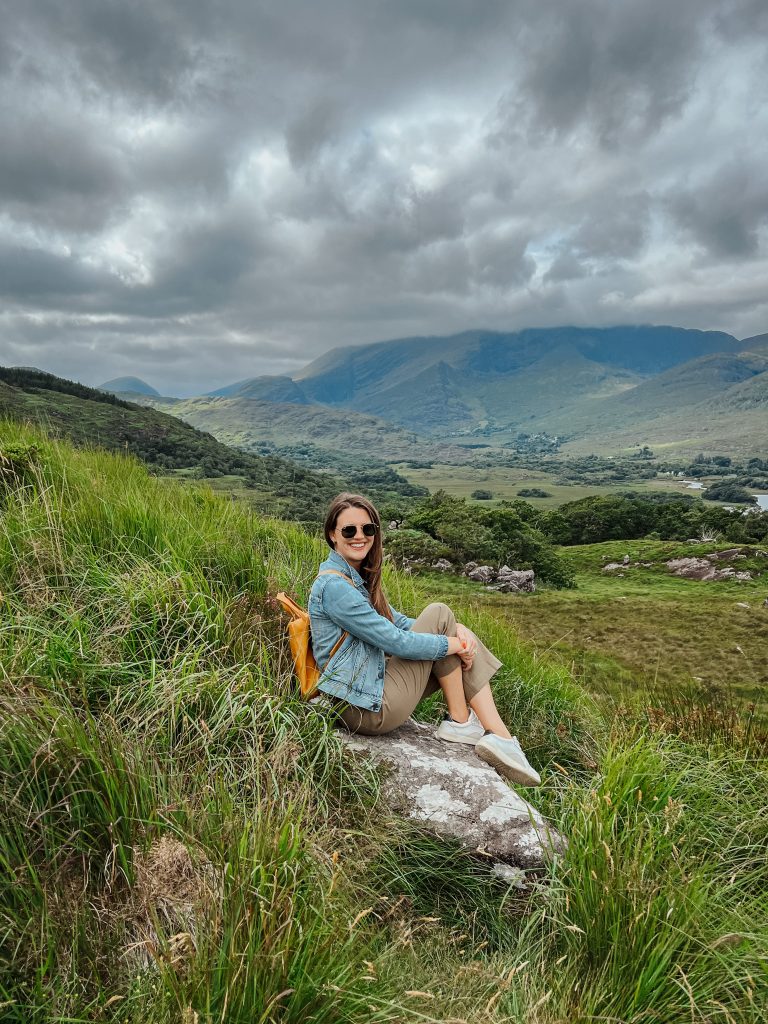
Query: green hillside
point(249, 423)
point(269, 482)
point(91, 417)
point(183, 842)
point(684, 409)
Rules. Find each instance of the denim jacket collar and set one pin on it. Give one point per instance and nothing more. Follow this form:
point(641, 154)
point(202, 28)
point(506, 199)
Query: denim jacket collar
point(336, 561)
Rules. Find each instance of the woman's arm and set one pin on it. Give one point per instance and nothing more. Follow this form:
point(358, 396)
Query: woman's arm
point(350, 610)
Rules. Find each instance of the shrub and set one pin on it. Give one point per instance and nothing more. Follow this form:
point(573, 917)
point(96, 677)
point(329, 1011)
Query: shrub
point(498, 536)
point(729, 490)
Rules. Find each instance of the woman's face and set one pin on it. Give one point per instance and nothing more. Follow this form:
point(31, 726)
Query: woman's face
point(353, 549)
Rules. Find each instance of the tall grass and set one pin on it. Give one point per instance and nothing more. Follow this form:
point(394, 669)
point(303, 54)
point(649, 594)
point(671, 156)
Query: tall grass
point(181, 840)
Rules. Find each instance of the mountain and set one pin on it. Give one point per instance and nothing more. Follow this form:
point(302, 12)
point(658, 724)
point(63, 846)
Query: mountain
point(717, 404)
point(758, 343)
point(278, 486)
point(597, 389)
point(456, 383)
point(128, 385)
point(701, 380)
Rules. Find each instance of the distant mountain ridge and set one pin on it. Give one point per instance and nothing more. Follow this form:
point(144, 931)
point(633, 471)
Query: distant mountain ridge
point(263, 389)
point(596, 388)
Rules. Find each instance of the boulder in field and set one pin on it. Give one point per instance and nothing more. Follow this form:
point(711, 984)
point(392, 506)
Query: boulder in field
point(510, 581)
point(452, 793)
point(482, 574)
point(703, 570)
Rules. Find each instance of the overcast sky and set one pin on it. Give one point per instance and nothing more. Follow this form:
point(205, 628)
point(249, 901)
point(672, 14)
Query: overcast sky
point(204, 191)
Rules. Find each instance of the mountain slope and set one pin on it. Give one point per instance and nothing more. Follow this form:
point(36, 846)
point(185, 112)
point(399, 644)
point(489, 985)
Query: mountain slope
point(438, 384)
point(718, 404)
point(248, 423)
point(265, 389)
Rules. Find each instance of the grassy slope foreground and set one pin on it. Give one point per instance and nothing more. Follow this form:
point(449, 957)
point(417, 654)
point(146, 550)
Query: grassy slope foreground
point(89, 417)
point(181, 841)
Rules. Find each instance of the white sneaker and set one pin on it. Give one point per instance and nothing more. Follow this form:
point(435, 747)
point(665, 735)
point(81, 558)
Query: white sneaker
point(460, 732)
point(507, 757)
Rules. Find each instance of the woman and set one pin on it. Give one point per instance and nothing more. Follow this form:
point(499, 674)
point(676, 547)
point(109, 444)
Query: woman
point(379, 663)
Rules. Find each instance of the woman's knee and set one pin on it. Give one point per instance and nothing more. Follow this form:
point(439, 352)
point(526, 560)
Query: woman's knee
point(441, 615)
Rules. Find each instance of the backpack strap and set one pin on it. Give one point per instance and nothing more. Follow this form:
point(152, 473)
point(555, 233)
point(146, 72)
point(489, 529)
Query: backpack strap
point(345, 634)
point(336, 572)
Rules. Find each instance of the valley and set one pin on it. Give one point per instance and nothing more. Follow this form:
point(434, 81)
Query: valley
point(506, 483)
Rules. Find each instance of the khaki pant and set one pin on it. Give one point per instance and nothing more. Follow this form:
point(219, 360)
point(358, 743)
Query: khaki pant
point(406, 682)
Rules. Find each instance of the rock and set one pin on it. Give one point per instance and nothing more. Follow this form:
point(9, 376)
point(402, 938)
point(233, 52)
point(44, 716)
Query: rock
point(702, 569)
point(742, 604)
point(611, 566)
point(443, 565)
point(765, 603)
point(514, 876)
point(726, 556)
point(393, 525)
point(453, 794)
point(482, 574)
point(469, 567)
point(625, 560)
point(511, 581)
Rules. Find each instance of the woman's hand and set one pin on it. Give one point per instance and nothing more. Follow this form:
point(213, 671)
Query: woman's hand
point(469, 646)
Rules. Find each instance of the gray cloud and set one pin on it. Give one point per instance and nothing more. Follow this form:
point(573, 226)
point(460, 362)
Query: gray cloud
point(725, 212)
point(197, 192)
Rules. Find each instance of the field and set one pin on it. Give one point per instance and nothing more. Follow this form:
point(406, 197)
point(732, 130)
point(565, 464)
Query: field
point(504, 483)
point(182, 841)
point(641, 629)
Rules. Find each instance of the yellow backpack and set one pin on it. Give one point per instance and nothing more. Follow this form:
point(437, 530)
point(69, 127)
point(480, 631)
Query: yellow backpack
point(299, 637)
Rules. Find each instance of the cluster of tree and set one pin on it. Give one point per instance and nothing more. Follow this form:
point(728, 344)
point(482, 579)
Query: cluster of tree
point(752, 473)
point(585, 469)
point(729, 490)
point(631, 516)
point(29, 379)
point(444, 526)
point(533, 492)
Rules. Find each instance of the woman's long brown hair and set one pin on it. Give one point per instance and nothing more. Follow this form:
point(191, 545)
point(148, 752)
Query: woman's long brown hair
point(370, 570)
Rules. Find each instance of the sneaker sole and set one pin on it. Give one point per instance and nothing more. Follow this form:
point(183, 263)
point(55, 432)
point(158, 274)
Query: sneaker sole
point(516, 773)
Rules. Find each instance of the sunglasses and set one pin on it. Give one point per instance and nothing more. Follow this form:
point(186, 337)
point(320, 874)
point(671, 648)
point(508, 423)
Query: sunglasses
point(348, 532)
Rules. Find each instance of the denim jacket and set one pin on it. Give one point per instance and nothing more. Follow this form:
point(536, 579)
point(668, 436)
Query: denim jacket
point(356, 671)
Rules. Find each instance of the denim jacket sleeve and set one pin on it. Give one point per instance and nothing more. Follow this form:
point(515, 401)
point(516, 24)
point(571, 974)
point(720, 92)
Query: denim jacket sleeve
point(350, 610)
